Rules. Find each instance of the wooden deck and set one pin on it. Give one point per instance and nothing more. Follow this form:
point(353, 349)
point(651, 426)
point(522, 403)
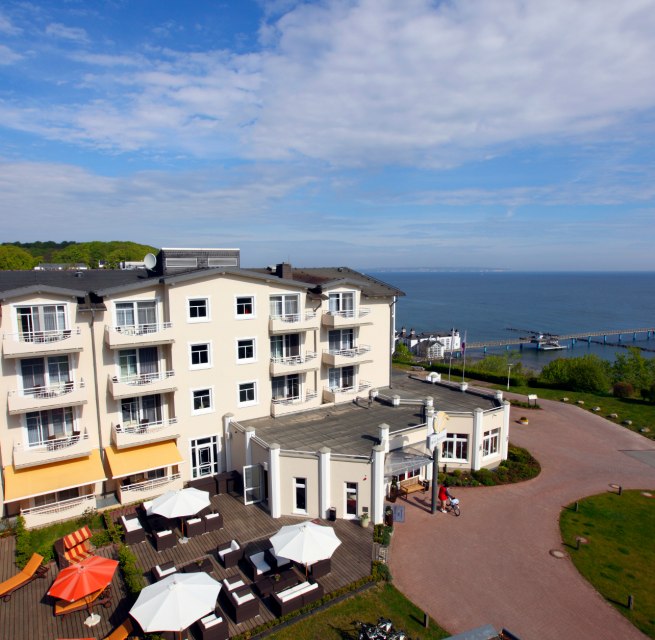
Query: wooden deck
point(28, 616)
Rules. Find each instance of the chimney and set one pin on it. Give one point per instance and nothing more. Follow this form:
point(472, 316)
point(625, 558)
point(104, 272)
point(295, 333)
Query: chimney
point(403, 332)
point(284, 270)
point(412, 333)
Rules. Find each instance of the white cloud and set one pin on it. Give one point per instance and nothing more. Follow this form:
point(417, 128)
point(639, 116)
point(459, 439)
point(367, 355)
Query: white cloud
point(72, 34)
point(7, 56)
point(8, 28)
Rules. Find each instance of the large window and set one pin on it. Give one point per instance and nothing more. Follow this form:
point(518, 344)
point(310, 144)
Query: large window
point(247, 393)
point(285, 307)
point(200, 355)
point(134, 363)
point(342, 303)
point(246, 350)
point(300, 495)
point(245, 306)
point(52, 372)
point(202, 400)
point(48, 425)
point(141, 410)
point(198, 309)
point(140, 315)
point(341, 378)
point(490, 442)
point(455, 447)
point(286, 346)
point(341, 340)
point(286, 387)
point(38, 323)
point(204, 457)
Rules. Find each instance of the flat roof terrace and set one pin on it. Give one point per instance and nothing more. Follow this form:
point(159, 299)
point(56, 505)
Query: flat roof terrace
point(352, 429)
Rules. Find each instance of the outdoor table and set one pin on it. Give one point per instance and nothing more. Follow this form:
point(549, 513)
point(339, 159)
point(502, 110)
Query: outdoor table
point(269, 584)
point(204, 564)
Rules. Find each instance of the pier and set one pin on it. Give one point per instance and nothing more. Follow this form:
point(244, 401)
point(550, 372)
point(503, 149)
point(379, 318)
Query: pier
point(598, 337)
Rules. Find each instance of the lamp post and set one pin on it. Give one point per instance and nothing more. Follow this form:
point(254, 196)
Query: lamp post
point(509, 368)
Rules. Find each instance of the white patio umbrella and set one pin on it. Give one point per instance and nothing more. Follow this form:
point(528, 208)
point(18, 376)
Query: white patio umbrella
point(181, 503)
point(176, 602)
point(306, 542)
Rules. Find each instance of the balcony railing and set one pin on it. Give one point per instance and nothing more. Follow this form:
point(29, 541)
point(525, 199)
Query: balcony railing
point(292, 322)
point(293, 364)
point(57, 448)
point(118, 337)
point(143, 384)
point(58, 511)
point(345, 394)
point(149, 488)
point(64, 394)
point(144, 432)
point(283, 406)
point(35, 343)
point(346, 318)
point(343, 357)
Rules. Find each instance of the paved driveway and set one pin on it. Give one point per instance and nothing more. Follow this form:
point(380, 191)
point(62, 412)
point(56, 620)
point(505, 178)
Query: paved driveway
point(492, 565)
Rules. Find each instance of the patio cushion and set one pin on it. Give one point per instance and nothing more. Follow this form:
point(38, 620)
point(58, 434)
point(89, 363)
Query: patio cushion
point(210, 621)
point(77, 537)
point(260, 565)
point(233, 583)
point(246, 597)
point(78, 553)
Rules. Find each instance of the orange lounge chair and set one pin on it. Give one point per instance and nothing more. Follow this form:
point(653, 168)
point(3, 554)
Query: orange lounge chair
point(97, 598)
point(32, 570)
point(123, 632)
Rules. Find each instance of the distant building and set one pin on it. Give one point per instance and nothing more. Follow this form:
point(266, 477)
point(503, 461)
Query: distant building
point(432, 344)
point(61, 266)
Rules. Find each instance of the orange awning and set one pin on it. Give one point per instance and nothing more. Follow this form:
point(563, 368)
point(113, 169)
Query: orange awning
point(126, 462)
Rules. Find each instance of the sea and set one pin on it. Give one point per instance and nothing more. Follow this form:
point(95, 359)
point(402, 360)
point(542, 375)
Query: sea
point(496, 305)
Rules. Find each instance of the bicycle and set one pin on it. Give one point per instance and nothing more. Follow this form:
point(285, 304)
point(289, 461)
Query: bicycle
point(452, 505)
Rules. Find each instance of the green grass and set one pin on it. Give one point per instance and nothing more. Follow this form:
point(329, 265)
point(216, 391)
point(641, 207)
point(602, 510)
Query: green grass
point(619, 559)
point(336, 622)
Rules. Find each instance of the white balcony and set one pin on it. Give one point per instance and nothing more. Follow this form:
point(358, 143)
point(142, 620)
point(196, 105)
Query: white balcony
point(139, 335)
point(58, 511)
point(293, 322)
point(134, 435)
point(345, 357)
point(284, 406)
point(41, 343)
point(76, 445)
point(306, 361)
point(350, 318)
point(65, 394)
point(142, 385)
point(339, 395)
point(149, 489)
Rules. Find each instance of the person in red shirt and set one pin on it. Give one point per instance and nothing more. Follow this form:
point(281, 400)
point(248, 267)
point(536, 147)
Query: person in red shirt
point(443, 497)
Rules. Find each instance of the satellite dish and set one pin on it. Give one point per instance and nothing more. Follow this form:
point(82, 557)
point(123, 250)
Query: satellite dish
point(150, 261)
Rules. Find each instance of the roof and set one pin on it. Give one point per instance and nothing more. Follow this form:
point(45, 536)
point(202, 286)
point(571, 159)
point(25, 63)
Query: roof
point(352, 429)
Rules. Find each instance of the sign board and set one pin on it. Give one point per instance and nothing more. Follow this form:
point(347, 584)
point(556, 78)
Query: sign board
point(435, 439)
point(532, 397)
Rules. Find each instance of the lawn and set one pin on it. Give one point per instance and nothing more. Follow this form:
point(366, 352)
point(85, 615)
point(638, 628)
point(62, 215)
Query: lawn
point(619, 557)
point(336, 622)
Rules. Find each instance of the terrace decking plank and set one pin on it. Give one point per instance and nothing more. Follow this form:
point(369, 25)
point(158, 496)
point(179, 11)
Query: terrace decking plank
point(29, 614)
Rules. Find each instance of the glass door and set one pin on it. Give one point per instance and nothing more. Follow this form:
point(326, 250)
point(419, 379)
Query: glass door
point(252, 484)
point(351, 500)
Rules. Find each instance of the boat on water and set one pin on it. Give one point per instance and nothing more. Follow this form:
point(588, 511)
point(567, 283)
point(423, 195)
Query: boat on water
point(546, 342)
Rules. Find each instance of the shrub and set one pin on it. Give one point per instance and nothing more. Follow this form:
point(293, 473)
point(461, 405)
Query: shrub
point(380, 572)
point(484, 477)
point(23, 543)
point(131, 574)
point(623, 389)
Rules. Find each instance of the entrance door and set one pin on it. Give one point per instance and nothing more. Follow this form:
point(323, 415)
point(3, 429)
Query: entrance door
point(252, 484)
point(351, 500)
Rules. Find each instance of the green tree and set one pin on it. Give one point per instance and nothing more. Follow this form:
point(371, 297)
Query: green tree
point(588, 373)
point(634, 369)
point(15, 258)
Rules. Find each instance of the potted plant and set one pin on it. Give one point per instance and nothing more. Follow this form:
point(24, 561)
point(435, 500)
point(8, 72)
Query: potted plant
point(393, 490)
point(523, 420)
point(364, 519)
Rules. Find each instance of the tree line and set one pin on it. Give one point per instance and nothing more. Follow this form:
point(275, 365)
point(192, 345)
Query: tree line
point(27, 255)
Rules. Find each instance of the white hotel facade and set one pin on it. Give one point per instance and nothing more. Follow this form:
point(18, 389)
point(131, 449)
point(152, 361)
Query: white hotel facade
point(120, 385)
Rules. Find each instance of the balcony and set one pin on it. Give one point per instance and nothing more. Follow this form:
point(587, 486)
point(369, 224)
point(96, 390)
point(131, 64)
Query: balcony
point(135, 435)
point(339, 395)
point(149, 489)
point(294, 364)
point(285, 406)
point(142, 385)
point(65, 394)
point(139, 335)
point(350, 318)
point(345, 357)
point(41, 343)
point(58, 511)
point(293, 322)
point(52, 450)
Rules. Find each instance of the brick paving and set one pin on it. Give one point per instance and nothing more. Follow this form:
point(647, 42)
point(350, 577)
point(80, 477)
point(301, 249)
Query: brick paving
point(493, 564)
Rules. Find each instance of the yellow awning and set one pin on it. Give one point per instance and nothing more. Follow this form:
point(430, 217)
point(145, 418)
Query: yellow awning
point(125, 462)
point(58, 476)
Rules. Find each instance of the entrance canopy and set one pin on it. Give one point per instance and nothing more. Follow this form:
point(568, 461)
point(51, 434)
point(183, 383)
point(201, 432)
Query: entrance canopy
point(400, 460)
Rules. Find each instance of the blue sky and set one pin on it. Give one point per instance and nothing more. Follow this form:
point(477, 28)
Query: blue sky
point(373, 133)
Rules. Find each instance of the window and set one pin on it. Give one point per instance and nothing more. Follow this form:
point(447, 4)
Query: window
point(138, 363)
point(342, 304)
point(246, 350)
point(300, 495)
point(245, 306)
point(412, 473)
point(141, 410)
point(286, 387)
point(202, 400)
point(37, 373)
point(286, 346)
point(342, 378)
point(204, 457)
point(285, 307)
point(48, 425)
point(351, 499)
point(139, 316)
point(58, 496)
point(341, 340)
point(455, 447)
point(198, 309)
point(40, 323)
point(490, 442)
point(200, 355)
point(247, 393)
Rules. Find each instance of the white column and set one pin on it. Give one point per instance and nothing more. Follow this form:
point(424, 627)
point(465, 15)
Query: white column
point(504, 432)
point(250, 432)
point(430, 422)
point(274, 496)
point(227, 440)
point(383, 435)
point(478, 426)
point(324, 482)
point(377, 485)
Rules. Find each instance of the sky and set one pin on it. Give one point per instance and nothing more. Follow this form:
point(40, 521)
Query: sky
point(509, 134)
